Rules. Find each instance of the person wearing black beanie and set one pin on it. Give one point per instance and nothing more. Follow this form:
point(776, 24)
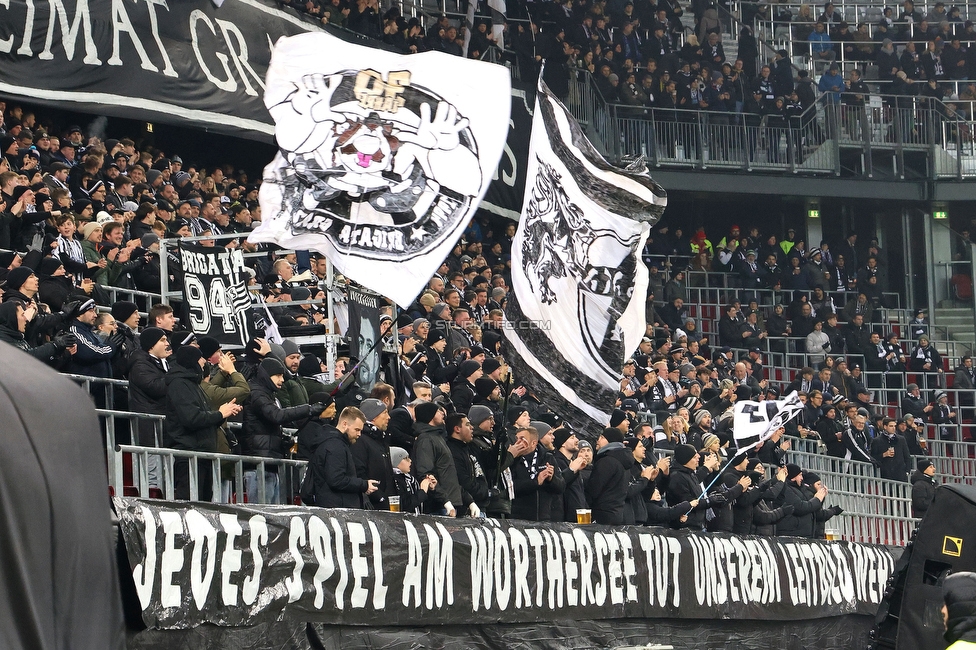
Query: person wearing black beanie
point(618, 420)
point(959, 610)
point(923, 487)
point(606, 489)
point(683, 486)
point(463, 392)
point(150, 337)
point(806, 507)
point(262, 434)
point(426, 412)
point(191, 423)
point(17, 278)
point(209, 346)
point(189, 356)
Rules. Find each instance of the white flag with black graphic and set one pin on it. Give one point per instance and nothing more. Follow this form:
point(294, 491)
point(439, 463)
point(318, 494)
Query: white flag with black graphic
point(578, 282)
point(754, 422)
point(383, 158)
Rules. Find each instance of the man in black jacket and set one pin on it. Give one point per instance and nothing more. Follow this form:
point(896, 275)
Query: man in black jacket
point(569, 464)
point(475, 492)
point(606, 488)
point(190, 422)
point(683, 485)
point(328, 449)
point(147, 391)
point(463, 391)
point(891, 452)
point(800, 523)
point(535, 478)
point(372, 452)
point(923, 487)
point(261, 434)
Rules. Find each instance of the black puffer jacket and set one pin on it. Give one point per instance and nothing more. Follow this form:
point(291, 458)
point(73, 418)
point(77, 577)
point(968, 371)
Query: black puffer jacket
point(263, 419)
point(191, 423)
point(329, 454)
point(683, 485)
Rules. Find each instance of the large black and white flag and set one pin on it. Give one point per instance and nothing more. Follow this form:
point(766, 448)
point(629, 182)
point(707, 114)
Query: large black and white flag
point(755, 422)
point(382, 159)
point(578, 283)
point(215, 291)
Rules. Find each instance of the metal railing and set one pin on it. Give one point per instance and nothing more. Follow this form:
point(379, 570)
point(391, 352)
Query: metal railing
point(290, 472)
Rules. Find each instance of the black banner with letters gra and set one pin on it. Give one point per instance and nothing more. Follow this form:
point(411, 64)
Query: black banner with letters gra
point(504, 195)
point(364, 329)
point(215, 293)
point(242, 565)
point(187, 62)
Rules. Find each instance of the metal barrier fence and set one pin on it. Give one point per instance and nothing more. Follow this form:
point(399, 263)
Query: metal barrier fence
point(289, 472)
point(876, 511)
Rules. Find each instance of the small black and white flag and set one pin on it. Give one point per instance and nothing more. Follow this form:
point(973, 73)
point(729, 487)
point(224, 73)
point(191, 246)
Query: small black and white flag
point(754, 422)
point(578, 283)
point(383, 158)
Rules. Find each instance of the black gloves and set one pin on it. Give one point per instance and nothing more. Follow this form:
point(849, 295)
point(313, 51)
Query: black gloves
point(717, 500)
point(117, 340)
point(836, 510)
point(65, 341)
point(787, 510)
point(70, 309)
point(315, 410)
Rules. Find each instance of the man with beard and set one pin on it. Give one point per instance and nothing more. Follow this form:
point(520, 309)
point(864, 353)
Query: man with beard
point(569, 464)
point(329, 450)
point(372, 452)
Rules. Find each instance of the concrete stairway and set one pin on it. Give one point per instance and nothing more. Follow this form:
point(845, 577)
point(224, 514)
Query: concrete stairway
point(955, 322)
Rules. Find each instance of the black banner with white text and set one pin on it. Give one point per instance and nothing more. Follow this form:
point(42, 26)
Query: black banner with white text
point(244, 565)
point(215, 292)
point(187, 62)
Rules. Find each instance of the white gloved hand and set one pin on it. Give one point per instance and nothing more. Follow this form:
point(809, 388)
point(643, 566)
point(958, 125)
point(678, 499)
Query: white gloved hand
point(474, 510)
point(449, 507)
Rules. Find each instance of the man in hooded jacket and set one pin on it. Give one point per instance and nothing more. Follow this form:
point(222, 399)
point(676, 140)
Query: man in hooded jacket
point(13, 325)
point(263, 419)
point(190, 423)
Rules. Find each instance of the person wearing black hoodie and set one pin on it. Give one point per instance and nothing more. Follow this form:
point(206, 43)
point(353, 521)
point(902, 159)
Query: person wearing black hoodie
point(923, 487)
point(606, 488)
point(190, 423)
point(13, 324)
point(329, 452)
point(959, 610)
point(261, 434)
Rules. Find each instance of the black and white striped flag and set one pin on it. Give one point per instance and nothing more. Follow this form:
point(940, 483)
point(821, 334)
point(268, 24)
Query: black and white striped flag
point(578, 283)
point(754, 422)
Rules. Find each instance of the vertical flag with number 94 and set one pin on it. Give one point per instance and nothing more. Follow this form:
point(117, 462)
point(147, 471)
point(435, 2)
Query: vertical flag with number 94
point(215, 292)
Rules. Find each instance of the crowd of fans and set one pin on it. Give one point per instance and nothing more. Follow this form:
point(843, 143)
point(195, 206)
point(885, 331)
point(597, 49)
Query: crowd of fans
point(446, 430)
